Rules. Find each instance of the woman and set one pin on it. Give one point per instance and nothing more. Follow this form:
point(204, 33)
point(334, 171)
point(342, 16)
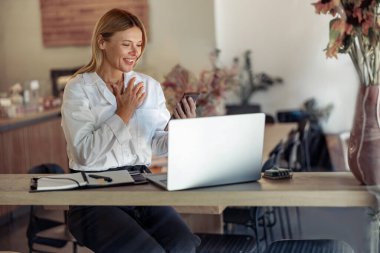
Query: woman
point(114, 118)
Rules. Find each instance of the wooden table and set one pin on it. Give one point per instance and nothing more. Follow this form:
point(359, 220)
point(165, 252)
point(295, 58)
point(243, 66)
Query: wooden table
point(319, 189)
point(308, 189)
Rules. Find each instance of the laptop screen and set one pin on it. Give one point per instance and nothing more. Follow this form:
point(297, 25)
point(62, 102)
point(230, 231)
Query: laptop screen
point(215, 150)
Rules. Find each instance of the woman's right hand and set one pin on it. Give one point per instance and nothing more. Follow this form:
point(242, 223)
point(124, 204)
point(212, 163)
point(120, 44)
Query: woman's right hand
point(128, 99)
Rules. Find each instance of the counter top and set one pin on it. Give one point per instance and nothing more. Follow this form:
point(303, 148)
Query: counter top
point(7, 124)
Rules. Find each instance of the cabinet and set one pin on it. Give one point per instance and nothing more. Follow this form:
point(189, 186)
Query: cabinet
point(29, 141)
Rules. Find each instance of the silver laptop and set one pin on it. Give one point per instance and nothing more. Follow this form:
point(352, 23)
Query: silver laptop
point(213, 151)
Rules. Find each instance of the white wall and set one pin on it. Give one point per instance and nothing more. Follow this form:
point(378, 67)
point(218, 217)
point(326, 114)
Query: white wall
point(287, 39)
point(181, 32)
point(23, 56)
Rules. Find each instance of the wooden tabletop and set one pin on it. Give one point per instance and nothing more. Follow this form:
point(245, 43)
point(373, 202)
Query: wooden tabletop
point(322, 189)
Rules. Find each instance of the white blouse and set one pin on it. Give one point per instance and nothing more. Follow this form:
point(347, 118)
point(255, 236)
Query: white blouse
point(97, 138)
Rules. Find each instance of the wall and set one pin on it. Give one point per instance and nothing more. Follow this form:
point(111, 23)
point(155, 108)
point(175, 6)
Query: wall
point(286, 39)
point(181, 32)
point(23, 56)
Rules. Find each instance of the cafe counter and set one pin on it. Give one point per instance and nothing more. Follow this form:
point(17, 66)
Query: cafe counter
point(31, 140)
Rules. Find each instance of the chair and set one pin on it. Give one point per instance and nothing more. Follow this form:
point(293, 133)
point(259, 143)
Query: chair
point(231, 242)
point(243, 216)
point(215, 243)
point(315, 246)
point(59, 77)
point(252, 218)
point(46, 231)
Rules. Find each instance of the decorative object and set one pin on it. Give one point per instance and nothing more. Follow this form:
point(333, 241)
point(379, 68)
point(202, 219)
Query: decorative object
point(364, 142)
point(212, 85)
point(176, 83)
point(15, 94)
point(248, 84)
point(355, 30)
point(70, 22)
point(251, 82)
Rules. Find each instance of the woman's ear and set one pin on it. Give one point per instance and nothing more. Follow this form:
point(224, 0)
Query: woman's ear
point(101, 42)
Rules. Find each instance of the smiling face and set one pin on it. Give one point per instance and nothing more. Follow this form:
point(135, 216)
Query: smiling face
point(122, 49)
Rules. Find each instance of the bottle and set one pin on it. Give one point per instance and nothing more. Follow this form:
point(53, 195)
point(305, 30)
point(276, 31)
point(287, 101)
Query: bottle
point(26, 94)
point(35, 94)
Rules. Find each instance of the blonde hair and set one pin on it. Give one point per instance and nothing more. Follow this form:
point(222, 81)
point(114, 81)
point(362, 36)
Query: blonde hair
point(113, 21)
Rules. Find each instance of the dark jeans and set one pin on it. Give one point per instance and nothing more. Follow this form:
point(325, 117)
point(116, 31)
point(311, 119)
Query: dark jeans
point(112, 229)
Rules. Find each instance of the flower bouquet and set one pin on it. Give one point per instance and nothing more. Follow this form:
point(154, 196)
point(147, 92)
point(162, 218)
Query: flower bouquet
point(355, 30)
point(176, 83)
point(212, 85)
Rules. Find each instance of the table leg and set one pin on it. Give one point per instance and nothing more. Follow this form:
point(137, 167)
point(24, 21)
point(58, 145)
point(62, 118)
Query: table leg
point(374, 229)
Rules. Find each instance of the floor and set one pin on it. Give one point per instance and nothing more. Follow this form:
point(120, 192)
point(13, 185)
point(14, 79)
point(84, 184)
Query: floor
point(347, 224)
point(13, 235)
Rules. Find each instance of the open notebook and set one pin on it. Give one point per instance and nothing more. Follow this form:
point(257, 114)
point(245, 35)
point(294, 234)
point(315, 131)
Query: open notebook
point(77, 180)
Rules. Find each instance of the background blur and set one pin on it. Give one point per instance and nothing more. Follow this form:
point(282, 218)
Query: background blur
point(286, 39)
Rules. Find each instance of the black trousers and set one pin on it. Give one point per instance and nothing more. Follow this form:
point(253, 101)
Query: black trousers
point(128, 229)
point(114, 229)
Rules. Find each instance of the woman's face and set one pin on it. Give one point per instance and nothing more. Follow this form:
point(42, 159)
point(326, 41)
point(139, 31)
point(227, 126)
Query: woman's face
point(122, 49)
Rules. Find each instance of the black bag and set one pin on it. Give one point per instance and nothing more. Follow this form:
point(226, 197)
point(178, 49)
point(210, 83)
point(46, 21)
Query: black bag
point(305, 149)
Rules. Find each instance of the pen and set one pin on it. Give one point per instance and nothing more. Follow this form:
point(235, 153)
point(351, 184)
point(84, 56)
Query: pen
point(107, 179)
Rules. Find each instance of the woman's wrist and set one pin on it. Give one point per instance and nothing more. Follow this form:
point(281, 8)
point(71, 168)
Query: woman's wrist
point(125, 116)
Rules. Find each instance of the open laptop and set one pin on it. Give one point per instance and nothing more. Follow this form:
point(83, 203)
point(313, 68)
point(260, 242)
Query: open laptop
point(213, 151)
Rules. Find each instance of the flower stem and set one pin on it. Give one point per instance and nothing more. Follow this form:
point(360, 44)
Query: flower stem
point(367, 69)
point(353, 55)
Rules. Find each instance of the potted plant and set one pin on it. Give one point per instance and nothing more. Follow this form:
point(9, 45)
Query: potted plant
point(355, 30)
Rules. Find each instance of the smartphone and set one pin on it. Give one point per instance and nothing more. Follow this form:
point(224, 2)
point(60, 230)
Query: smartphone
point(193, 95)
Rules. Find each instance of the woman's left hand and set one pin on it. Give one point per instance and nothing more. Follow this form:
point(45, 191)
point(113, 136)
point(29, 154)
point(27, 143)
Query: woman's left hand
point(187, 110)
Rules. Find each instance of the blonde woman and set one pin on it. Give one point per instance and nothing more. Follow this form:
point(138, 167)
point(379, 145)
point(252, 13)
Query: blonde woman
point(114, 118)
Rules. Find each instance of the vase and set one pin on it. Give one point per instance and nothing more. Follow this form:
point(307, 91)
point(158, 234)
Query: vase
point(364, 142)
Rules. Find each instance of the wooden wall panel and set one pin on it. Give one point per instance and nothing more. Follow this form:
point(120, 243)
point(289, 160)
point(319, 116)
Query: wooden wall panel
point(13, 158)
point(24, 147)
point(12, 144)
point(46, 144)
point(70, 22)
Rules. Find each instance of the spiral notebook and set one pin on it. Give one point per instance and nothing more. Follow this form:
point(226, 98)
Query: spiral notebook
point(80, 180)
